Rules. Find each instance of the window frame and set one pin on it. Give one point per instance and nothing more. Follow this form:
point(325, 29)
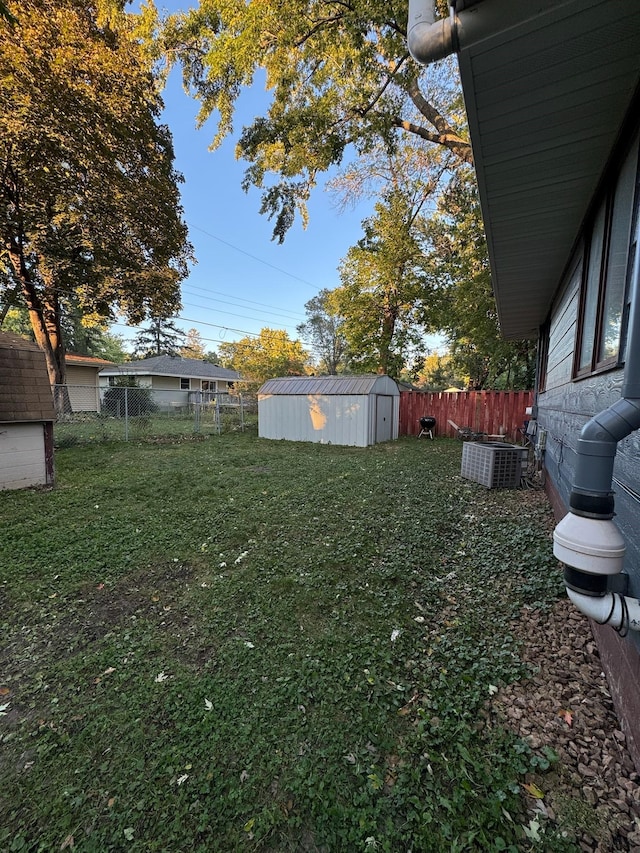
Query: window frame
point(182, 381)
point(605, 206)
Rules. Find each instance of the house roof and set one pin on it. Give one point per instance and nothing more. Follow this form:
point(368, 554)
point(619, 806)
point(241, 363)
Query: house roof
point(328, 385)
point(25, 392)
point(77, 360)
point(172, 365)
point(546, 94)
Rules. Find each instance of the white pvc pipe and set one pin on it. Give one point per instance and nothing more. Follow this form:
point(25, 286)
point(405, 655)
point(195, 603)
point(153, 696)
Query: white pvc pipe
point(609, 609)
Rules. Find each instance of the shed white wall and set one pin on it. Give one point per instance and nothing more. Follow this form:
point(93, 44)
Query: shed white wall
point(340, 419)
point(349, 419)
point(22, 455)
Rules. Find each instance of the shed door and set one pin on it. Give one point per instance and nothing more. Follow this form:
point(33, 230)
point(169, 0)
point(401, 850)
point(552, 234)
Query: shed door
point(384, 418)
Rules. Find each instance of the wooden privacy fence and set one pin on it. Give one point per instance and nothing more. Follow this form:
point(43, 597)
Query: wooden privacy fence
point(491, 412)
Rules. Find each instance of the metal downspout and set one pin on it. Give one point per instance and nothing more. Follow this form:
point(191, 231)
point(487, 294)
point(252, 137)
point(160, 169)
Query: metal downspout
point(429, 39)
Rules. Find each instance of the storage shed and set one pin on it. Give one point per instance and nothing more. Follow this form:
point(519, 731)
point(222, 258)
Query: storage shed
point(26, 415)
point(351, 410)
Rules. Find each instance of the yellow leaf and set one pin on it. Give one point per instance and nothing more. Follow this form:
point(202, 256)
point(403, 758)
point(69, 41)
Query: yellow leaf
point(532, 789)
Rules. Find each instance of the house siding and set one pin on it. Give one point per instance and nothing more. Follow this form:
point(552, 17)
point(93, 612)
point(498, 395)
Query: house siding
point(563, 408)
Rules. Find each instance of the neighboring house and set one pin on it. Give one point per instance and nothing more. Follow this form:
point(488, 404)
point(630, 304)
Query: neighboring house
point(551, 90)
point(26, 415)
point(83, 387)
point(176, 382)
point(348, 410)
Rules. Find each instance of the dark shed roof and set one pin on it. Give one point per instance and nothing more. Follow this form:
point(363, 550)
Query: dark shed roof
point(25, 392)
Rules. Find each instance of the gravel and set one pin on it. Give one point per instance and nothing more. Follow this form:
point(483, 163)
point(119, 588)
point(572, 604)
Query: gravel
point(591, 794)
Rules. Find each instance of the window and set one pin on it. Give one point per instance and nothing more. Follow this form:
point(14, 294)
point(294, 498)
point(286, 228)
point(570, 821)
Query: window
point(185, 384)
point(209, 384)
point(543, 356)
point(604, 280)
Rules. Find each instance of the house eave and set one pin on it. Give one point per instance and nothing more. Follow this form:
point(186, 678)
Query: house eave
point(546, 98)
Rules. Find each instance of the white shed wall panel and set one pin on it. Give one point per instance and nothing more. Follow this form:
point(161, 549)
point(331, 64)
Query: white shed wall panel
point(22, 456)
point(342, 419)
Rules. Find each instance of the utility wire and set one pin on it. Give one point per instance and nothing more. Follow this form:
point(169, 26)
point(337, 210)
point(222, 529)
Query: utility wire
point(254, 257)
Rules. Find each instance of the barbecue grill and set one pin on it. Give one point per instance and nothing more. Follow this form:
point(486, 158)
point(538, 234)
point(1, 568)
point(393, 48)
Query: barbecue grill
point(427, 426)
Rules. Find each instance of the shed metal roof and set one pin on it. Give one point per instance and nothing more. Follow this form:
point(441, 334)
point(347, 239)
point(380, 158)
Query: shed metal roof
point(172, 365)
point(546, 93)
point(329, 385)
point(25, 392)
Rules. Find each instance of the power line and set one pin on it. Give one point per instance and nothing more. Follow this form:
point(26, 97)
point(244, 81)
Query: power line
point(215, 326)
point(284, 311)
point(228, 313)
point(255, 257)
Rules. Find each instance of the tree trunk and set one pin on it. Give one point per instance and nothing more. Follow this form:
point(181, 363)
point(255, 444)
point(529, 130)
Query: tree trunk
point(44, 313)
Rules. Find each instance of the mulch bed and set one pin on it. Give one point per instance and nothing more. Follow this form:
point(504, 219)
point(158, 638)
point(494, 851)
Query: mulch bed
point(592, 793)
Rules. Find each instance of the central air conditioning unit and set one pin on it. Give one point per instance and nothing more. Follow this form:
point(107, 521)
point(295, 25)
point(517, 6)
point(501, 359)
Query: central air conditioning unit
point(493, 464)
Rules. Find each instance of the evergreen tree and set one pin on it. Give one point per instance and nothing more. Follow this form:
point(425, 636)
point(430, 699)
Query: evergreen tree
point(161, 337)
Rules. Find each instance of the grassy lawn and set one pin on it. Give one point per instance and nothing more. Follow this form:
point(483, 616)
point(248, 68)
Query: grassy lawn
point(236, 644)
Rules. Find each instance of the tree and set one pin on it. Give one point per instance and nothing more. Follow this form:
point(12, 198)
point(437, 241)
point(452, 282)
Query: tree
point(438, 372)
point(161, 337)
point(193, 346)
point(459, 264)
point(323, 329)
point(90, 213)
point(381, 298)
point(341, 81)
point(271, 354)
point(84, 334)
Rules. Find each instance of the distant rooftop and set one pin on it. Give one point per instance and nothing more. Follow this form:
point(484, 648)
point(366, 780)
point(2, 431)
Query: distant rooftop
point(172, 365)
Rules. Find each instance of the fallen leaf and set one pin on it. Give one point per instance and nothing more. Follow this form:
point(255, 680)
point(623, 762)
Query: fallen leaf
point(567, 716)
point(532, 789)
point(68, 843)
point(208, 705)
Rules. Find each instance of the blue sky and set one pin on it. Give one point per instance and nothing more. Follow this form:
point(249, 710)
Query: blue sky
point(243, 280)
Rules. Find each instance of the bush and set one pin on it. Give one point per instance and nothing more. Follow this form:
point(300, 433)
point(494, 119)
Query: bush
point(130, 399)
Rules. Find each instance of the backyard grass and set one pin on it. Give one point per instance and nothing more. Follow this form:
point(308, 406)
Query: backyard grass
point(238, 645)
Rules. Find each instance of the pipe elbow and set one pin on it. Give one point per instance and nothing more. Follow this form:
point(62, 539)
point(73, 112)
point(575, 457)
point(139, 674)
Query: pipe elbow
point(618, 611)
point(429, 42)
point(614, 423)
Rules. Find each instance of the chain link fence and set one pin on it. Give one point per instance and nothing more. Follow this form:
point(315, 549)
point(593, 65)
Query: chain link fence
point(87, 414)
